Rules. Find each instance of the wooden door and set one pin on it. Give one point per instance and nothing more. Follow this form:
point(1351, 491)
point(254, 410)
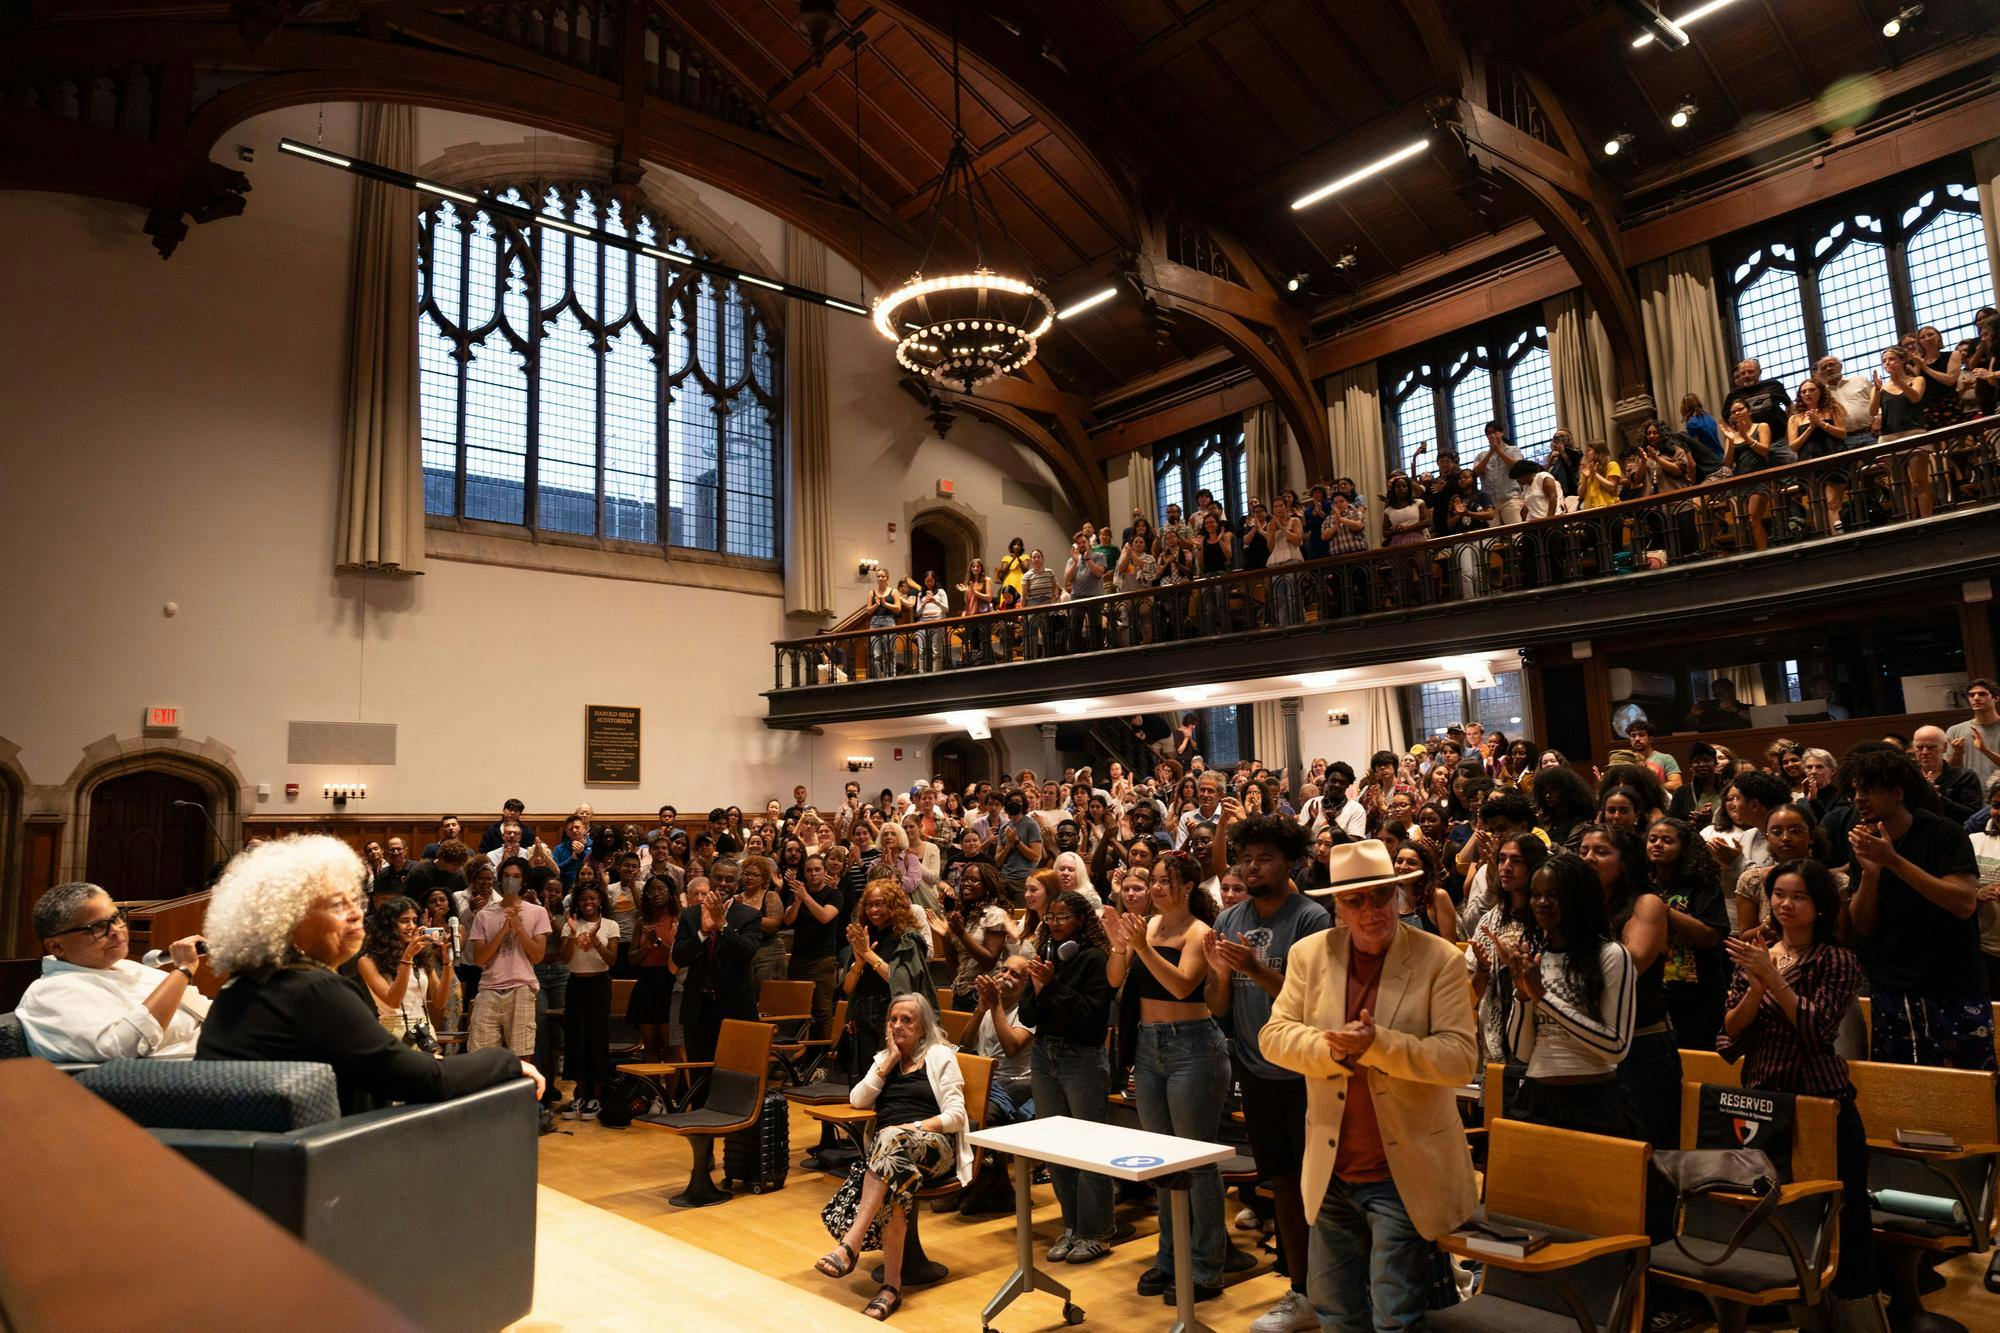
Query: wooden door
point(143, 846)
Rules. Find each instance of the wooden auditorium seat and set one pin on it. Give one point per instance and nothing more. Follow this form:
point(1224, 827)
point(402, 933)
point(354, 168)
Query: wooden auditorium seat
point(738, 1077)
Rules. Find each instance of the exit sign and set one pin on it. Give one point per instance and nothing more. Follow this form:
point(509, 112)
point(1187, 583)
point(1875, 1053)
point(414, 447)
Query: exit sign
point(163, 719)
point(946, 488)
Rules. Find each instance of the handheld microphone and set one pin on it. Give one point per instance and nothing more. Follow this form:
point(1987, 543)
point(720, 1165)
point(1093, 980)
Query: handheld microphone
point(220, 841)
point(1059, 953)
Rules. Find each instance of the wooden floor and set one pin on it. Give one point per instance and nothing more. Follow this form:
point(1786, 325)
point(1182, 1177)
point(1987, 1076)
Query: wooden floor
point(612, 1253)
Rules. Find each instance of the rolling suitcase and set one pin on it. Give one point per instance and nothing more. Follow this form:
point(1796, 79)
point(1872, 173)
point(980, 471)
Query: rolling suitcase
point(760, 1156)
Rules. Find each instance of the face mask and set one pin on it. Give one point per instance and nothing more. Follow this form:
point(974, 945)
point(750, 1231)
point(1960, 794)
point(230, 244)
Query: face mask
point(510, 885)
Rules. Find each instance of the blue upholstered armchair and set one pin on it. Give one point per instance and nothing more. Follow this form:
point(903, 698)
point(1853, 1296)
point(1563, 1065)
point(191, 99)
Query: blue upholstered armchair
point(431, 1206)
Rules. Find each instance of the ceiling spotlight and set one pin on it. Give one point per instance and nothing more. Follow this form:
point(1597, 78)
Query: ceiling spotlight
point(1617, 143)
point(1296, 283)
point(1905, 17)
point(1683, 113)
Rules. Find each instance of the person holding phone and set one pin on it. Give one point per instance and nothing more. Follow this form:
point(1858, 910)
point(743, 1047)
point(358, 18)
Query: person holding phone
point(401, 965)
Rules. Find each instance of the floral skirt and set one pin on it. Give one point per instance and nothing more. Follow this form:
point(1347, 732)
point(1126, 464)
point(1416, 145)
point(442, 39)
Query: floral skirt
point(906, 1160)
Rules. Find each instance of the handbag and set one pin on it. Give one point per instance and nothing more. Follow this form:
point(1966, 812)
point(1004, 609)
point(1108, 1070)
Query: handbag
point(1699, 1171)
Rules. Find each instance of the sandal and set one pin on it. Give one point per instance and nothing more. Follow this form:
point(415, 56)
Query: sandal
point(886, 1303)
point(832, 1267)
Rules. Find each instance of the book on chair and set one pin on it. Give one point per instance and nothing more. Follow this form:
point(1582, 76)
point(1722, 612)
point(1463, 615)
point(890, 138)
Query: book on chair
point(1501, 1241)
point(1928, 1140)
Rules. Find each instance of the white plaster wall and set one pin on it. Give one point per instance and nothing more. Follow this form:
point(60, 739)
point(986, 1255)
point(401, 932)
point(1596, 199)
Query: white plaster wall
point(171, 434)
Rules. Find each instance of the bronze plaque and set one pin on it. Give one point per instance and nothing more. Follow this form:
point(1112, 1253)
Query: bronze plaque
point(610, 744)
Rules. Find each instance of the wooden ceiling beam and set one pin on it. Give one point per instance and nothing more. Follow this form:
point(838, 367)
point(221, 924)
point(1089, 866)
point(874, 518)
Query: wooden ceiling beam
point(996, 154)
point(1197, 27)
point(810, 77)
point(1355, 148)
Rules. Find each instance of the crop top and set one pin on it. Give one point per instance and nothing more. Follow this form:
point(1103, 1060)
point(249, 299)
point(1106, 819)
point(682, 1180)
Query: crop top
point(1144, 985)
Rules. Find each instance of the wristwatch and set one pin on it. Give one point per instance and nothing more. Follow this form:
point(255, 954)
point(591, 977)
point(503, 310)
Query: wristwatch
point(187, 972)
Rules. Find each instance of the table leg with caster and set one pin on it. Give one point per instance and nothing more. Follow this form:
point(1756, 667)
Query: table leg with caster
point(1026, 1277)
point(1185, 1320)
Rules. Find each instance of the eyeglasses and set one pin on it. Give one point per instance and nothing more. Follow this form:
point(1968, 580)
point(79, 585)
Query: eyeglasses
point(99, 930)
point(1062, 916)
point(1379, 896)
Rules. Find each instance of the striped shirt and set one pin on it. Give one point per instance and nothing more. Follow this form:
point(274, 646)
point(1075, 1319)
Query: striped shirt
point(1558, 1035)
point(1787, 1056)
point(1038, 587)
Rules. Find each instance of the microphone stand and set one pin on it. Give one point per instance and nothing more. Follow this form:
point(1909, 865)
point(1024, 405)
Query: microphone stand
point(220, 841)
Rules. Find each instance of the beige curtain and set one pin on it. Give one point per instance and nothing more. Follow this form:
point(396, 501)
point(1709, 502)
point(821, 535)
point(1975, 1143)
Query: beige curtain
point(1385, 721)
point(1580, 365)
point(809, 534)
point(1140, 481)
point(1354, 424)
point(1263, 447)
point(1267, 724)
point(1683, 325)
point(380, 526)
point(1986, 175)
point(1749, 683)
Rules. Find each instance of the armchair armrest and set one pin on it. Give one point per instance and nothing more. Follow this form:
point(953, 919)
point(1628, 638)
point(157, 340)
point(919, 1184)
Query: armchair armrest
point(1787, 1194)
point(665, 1067)
point(1891, 1148)
point(1551, 1258)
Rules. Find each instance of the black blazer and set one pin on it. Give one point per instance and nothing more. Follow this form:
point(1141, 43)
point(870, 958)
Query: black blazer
point(1958, 791)
point(308, 1012)
point(720, 974)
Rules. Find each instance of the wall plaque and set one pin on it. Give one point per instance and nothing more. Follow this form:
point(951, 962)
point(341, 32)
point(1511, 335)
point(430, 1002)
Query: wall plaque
point(610, 744)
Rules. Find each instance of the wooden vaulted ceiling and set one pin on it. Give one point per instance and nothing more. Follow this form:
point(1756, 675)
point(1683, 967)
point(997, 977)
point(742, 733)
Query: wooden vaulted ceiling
point(1151, 143)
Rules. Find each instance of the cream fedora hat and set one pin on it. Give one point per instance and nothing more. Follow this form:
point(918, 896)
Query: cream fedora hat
point(1361, 865)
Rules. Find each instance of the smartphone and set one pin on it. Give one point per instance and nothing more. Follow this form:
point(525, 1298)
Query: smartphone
point(435, 934)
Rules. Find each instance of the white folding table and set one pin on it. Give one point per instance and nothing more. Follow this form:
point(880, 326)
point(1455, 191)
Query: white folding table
point(1107, 1150)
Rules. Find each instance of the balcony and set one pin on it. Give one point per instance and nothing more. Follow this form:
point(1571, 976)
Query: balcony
point(1920, 513)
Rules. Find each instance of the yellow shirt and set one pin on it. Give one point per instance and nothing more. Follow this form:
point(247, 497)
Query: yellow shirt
point(1601, 488)
point(1011, 568)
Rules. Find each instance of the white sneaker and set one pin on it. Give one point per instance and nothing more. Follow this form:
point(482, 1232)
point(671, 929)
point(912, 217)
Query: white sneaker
point(1292, 1314)
point(572, 1110)
point(590, 1109)
point(1246, 1220)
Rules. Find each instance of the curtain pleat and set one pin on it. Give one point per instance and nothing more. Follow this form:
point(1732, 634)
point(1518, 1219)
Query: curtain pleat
point(1354, 424)
point(1261, 447)
point(380, 524)
point(1385, 721)
point(1683, 325)
point(1140, 481)
point(1267, 724)
point(809, 534)
point(1580, 365)
point(1986, 175)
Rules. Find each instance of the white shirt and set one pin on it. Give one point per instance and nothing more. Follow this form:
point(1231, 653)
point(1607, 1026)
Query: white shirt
point(87, 1015)
point(585, 961)
point(1350, 819)
point(1853, 393)
point(986, 1041)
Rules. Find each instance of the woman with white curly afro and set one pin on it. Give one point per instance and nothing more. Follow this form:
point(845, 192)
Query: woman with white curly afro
point(284, 916)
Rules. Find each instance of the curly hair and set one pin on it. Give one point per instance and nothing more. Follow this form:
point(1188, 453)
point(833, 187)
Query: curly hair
point(1561, 793)
point(902, 919)
point(384, 943)
point(264, 894)
point(1585, 927)
point(1694, 872)
point(1281, 833)
point(1089, 926)
point(1186, 875)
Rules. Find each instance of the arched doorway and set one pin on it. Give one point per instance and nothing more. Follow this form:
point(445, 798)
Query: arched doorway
point(928, 551)
point(961, 761)
point(141, 845)
point(944, 537)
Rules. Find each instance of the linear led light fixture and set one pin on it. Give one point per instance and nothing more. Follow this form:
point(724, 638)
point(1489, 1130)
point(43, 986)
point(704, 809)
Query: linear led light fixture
point(1333, 187)
point(1695, 15)
point(375, 171)
point(1090, 302)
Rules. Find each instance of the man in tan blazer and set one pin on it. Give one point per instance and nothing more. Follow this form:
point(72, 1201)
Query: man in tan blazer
point(1378, 1017)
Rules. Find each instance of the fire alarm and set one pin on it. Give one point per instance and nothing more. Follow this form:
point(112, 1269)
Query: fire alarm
point(892, 534)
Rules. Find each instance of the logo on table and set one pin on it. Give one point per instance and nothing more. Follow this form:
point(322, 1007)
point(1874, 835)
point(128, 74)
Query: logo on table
point(1136, 1162)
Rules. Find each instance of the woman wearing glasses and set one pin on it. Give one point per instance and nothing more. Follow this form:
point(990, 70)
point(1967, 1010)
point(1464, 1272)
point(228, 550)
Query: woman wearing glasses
point(92, 1003)
point(284, 916)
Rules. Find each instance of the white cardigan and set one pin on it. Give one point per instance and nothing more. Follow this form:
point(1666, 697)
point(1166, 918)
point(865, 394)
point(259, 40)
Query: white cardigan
point(947, 1085)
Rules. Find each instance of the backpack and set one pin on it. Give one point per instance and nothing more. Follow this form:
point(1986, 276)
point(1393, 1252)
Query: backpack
point(626, 1097)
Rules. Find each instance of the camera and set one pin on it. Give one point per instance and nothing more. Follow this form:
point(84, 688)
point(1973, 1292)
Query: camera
point(435, 934)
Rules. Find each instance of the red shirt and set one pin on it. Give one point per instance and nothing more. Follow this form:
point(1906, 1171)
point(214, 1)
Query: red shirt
point(1361, 1159)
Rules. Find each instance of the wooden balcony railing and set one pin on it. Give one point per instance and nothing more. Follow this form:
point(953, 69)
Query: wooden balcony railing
point(1776, 509)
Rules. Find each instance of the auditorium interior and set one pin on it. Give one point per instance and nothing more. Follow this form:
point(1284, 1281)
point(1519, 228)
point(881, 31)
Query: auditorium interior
point(960, 453)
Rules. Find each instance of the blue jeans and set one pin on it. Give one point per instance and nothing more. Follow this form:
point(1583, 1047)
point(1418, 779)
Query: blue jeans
point(1074, 1081)
point(1181, 1075)
point(881, 647)
point(1368, 1268)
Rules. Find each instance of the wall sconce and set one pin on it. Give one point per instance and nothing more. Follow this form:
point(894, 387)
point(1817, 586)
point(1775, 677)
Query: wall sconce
point(340, 793)
point(868, 568)
point(1336, 717)
point(857, 762)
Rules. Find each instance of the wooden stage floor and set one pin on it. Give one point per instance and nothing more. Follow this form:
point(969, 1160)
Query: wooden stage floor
point(613, 1254)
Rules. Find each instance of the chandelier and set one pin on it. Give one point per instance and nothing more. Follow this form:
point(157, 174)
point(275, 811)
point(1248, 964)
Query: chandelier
point(963, 325)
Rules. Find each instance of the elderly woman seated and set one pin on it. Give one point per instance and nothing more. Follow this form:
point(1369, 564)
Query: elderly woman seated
point(284, 916)
point(920, 1123)
point(91, 1002)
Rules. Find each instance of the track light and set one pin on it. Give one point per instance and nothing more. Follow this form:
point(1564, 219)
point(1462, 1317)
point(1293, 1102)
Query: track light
point(1683, 114)
point(526, 216)
point(1670, 33)
point(1905, 17)
point(1095, 299)
point(1379, 165)
point(1617, 143)
point(1296, 283)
